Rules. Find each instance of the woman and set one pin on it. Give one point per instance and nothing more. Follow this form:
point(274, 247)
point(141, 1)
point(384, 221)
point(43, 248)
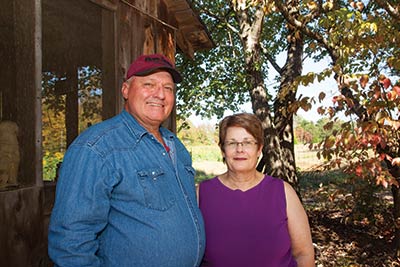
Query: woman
point(251, 219)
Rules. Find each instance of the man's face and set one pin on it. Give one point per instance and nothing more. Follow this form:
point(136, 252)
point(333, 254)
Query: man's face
point(150, 99)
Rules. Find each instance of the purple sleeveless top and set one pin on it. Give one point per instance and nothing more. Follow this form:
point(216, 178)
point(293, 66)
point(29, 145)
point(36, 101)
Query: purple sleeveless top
point(246, 229)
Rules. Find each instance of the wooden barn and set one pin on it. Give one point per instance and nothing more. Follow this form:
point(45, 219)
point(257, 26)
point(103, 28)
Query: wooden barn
point(62, 67)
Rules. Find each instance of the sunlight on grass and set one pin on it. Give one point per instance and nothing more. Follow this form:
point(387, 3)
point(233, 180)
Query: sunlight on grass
point(205, 153)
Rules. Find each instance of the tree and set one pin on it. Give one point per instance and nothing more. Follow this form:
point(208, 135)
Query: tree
point(369, 51)
point(196, 135)
point(362, 40)
point(235, 71)
point(54, 109)
point(302, 135)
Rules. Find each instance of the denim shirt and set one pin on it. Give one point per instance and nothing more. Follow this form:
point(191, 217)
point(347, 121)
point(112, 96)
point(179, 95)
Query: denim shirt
point(123, 200)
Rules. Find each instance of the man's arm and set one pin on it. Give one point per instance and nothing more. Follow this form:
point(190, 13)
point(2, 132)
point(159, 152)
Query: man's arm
point(81, 208)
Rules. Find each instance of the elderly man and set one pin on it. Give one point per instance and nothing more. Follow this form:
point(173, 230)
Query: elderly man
point(126, 195)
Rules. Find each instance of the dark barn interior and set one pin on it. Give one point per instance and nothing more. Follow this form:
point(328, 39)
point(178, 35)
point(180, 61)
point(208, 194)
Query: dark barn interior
point(63, 62)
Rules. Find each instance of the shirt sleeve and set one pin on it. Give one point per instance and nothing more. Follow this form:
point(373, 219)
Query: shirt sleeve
point(81, 208)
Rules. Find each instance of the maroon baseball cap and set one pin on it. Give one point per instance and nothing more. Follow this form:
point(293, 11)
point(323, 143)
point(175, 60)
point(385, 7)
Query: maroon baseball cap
point(147, 64)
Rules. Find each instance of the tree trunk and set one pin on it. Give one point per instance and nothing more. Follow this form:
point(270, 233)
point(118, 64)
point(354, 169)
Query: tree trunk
point(273, 161)
point(287, 96)
point(251, 29)
point(278, 153)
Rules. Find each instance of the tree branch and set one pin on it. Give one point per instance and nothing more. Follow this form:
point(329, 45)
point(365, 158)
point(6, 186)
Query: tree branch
point(302, 26)
point(394, 12)
point(272, 60)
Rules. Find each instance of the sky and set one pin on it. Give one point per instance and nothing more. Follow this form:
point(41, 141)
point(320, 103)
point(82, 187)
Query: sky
point(328, 86)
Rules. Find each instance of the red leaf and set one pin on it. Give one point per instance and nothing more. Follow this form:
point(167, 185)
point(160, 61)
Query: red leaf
point(364, 80)
point(386, 83)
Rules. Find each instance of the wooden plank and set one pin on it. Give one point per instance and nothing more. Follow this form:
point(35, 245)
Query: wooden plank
point(22, 233)
point(110, 94)
point(27, 69)
point(108, 4)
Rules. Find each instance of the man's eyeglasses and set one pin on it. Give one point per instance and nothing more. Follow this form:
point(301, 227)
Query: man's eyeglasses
point(247, 144)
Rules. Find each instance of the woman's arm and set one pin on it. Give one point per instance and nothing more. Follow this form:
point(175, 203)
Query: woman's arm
point(299, 230)
point(197, 194)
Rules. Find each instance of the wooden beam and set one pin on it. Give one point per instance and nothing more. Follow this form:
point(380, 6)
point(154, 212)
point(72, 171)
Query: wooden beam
point(108, 4)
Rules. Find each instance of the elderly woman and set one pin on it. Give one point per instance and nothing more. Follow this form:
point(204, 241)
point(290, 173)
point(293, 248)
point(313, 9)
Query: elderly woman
point(251, 219)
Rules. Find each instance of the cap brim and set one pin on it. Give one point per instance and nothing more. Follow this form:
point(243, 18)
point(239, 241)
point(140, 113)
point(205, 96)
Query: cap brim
point(176, 76)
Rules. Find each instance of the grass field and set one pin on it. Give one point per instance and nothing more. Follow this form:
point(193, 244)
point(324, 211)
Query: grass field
point(207, 160)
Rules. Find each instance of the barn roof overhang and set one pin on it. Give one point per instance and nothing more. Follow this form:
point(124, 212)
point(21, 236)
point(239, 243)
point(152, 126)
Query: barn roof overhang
point(192, 34)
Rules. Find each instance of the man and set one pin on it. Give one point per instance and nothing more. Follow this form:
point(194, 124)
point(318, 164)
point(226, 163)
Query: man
point(126, 195)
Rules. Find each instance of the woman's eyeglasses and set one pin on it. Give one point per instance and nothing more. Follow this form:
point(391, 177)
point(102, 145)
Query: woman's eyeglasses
point(247, 144)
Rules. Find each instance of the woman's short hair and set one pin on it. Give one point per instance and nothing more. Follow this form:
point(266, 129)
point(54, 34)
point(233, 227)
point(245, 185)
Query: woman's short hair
point(248, 121)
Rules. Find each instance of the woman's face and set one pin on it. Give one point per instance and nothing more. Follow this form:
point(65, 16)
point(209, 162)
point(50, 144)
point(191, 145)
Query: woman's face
point(241, 150)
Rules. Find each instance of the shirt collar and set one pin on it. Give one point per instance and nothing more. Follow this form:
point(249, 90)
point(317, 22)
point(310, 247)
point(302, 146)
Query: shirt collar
point(138, 130)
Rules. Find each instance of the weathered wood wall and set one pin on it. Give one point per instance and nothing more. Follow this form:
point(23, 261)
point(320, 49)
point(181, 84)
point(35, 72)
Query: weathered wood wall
point(129, 28)
point(23, 242)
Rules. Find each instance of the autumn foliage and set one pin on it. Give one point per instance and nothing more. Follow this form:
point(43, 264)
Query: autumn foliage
point(366, 147)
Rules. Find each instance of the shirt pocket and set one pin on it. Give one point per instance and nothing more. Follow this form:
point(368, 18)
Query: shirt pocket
point(158, 194)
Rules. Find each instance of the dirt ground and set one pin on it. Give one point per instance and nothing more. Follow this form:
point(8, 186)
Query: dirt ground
point(342, 239)
point(210, 167)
